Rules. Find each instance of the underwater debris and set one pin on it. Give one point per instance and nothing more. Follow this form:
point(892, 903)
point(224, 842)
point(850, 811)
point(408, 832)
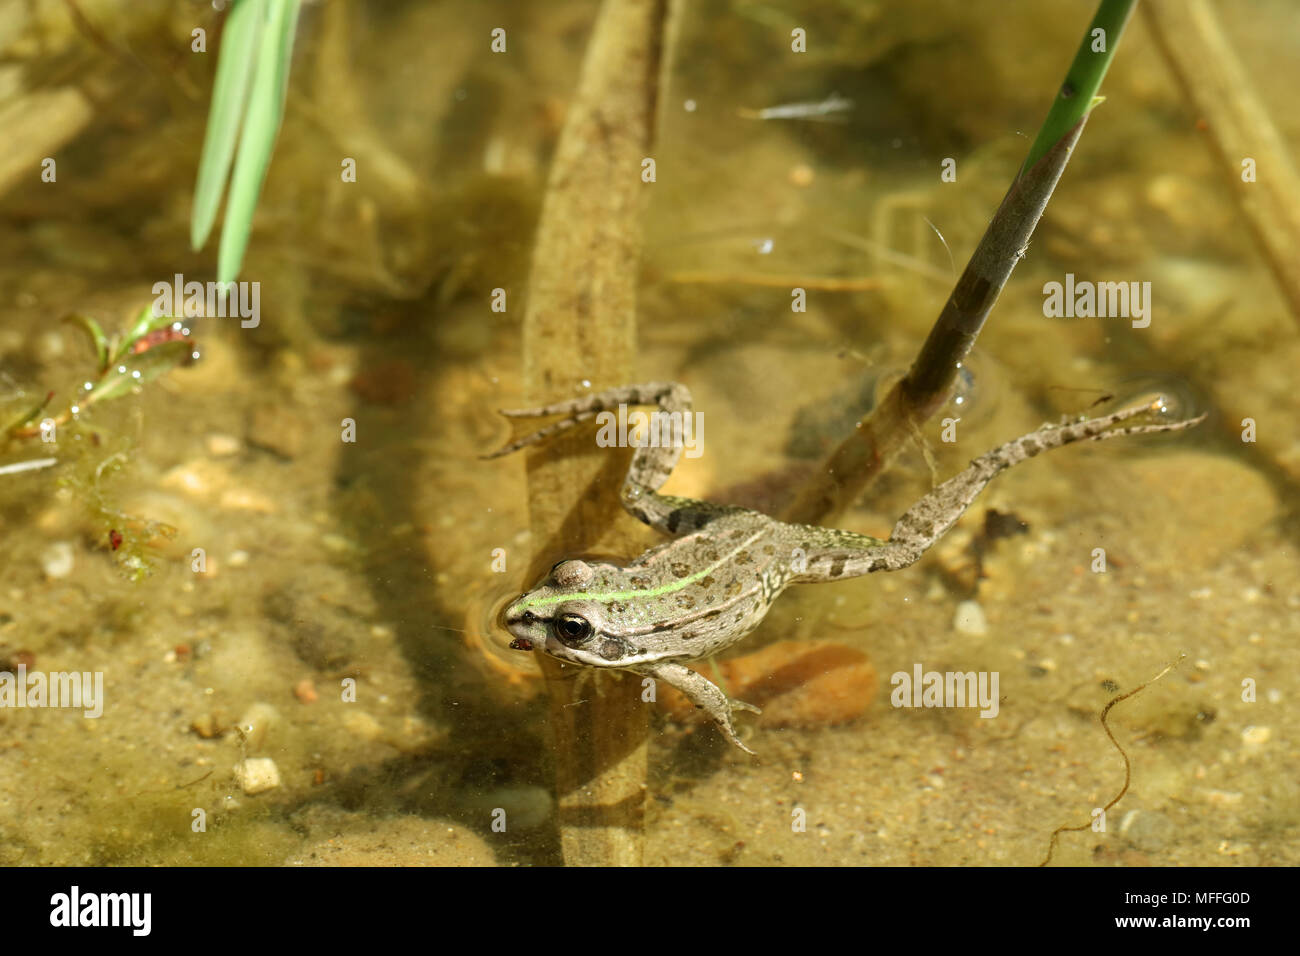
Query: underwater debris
point(829, 110)
point(1128, 765)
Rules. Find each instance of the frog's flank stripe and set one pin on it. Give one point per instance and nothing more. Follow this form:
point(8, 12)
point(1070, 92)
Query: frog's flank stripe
point(648, 592)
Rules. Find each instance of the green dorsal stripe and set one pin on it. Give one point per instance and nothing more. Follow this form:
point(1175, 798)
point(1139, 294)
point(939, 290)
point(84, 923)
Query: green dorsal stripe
point(668, 588)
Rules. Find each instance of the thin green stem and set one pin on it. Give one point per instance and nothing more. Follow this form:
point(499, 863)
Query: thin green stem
point(1078, 94)
point(926, 387)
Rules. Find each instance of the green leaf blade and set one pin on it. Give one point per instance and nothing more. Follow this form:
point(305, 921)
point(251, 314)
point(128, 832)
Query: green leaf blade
point(235, 66)
point(257, 138)
point(97, 337)
point(141, 369)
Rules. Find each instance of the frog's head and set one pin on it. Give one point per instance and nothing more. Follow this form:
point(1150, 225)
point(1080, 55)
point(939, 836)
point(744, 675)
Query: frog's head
point(568, 615)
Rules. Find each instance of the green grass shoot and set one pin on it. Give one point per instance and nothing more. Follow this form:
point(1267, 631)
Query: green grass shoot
point(247, 106)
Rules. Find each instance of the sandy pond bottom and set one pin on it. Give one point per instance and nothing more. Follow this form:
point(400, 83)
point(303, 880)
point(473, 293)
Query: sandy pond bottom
point(305, 599)
point(337, 627)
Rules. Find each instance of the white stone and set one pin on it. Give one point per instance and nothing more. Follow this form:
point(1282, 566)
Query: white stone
point(57, 560)
point(1255, 737)
point(969, 619)
point(257, 775)
point(199, 479)
point(222, 446)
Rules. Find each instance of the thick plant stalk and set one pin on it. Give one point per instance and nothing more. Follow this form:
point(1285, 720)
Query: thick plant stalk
point(925, 388)
point(580, 326)
point(1238, 127)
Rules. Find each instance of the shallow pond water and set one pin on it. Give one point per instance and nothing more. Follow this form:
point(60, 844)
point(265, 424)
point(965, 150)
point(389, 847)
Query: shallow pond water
point(326, 598)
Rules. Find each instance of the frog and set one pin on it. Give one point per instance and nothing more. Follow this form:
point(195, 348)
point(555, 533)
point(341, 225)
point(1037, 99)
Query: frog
point(714, 581)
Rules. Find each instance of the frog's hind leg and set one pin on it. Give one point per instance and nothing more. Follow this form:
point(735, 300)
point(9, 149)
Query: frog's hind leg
point(833, 554)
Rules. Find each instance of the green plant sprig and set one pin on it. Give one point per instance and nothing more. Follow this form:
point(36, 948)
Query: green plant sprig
point(150, 347)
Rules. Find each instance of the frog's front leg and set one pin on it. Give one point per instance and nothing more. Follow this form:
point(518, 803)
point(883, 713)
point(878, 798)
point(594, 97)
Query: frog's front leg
point(702, 693)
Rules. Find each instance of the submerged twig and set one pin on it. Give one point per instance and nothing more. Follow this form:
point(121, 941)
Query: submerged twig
point(1240, 131)
point(580, 331)
point(820, 283)
point(1128, 765)
point(32, 464)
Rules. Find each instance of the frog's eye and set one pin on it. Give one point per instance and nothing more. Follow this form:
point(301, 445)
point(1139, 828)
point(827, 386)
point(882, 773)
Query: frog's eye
point(572, 629)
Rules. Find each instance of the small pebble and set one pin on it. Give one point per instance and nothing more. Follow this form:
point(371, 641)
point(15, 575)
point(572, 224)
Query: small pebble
point(247, 499)
point(362, 725)
point(1223, 798)
point(198, 479)
point(50, 346)
point(1148, 830)
point(57, 560)
point(336, 543)
point(209, 725)
point(802, 175)
point(222, 446)
point(256, 722)
point(1255, 737)
point(969, 619)
point(257, 775)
